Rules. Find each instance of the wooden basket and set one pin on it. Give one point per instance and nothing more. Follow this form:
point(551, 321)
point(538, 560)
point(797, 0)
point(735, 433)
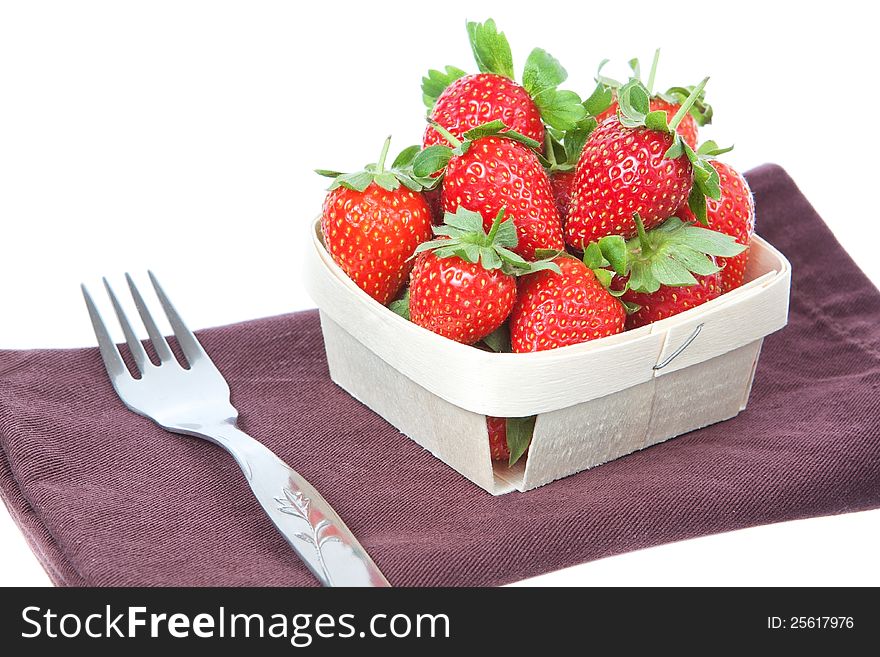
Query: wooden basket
point(594, 402)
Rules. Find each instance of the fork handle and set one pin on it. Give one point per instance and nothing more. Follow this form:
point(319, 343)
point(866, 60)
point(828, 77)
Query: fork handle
point(305, 519)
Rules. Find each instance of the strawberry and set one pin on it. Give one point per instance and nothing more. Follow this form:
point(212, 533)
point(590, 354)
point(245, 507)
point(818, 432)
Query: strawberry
point(495, 168)
point(463, 284)
point(498, 448)
point(734, 215)
point(562, 184)
point(372, 222)
point(636, 163)
point(435, 202)
point(476, 99)
point(670, 300)
point(667, 270)
point(670, 102)
point(559, 309)
point(461, 102)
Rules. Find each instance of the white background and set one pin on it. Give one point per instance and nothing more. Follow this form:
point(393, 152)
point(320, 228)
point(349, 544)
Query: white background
point(181, 136)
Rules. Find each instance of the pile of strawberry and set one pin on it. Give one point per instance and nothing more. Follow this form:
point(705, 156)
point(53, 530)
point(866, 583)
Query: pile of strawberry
point(530, 219)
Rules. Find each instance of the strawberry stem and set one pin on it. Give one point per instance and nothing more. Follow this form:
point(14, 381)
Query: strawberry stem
point(653, 72)
point(548, 146)
point(448, 136)
point(687, 104)
point(643, 236)
point(490, 238)
point(380, 166)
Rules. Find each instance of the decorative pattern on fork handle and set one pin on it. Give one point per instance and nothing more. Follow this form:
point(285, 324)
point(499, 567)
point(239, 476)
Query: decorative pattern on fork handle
point(294, 503)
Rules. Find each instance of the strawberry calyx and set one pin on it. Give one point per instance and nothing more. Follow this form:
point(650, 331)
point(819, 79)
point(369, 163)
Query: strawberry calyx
point(400, 173)
point(542, 75)
point(606, 87)
point(435, 83)
point(462, 235)
point(670, 255)
point(635, 111)
point(433, 160)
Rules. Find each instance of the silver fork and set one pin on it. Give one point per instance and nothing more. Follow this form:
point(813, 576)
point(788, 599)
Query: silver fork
point(195, 401)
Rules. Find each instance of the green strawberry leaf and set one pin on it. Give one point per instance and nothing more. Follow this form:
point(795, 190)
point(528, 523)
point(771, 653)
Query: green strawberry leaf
point(604, 276)
point(707, 241)
point(560, 109)
point(431, 160)
point(358, 181)
point(497, 128)
point(490, 258)
point(435, 83)
point(600, 100)
point(613, 248)
point(697, 205)
point(711, 149)
point(673, 253)
point(575, 140)
point(400, 173)
point(432, 245)
point(668, 271)
point(464, 220)
point(542, 71)
point(506, 235)
point(593, 257)
point(405, 158)
point(491, 49)
point(386, 180)
point(694, 260)
point(519, 435)
point(635, 104)
point(630, 307)
point(541, 265)
point(511, 258)
point(657, 121)
point(499, 340)
point(401, 305)
point(636, 68)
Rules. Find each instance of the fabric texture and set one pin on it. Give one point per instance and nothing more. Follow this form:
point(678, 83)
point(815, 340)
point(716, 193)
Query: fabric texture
point(107, 498)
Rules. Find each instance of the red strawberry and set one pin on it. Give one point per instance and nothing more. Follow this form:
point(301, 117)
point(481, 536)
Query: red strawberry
point(434, 199)
point(624, 171)
point(734, 215)
point(372, 222)
point(558, 309)
point(497, 427)
point(477, 99)
point(562, 184)
point(498, 171)
point(460, 300)
point(669, 301)
point(687, 128)
point(463, 285)
point(634, 164)
point(461, 102)
point(664, 271)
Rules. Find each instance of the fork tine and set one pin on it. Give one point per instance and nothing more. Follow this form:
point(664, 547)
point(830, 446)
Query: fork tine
point(109, 353)
point(190, 346)
point(158, 340)
point(137, 349)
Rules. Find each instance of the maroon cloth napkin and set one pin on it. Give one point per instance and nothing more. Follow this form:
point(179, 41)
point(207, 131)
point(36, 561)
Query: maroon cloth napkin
point(107, 498)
